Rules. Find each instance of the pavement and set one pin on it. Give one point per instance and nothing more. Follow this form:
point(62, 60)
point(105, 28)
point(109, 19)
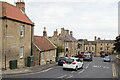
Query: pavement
point(118, 66)
point(95, 69)
point(27, 70)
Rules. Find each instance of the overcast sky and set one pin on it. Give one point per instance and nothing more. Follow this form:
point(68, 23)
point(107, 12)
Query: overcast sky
point(86, 18)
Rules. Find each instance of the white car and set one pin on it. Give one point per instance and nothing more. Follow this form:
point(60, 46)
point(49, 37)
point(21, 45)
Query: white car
point(73, 63)
point(107, 59)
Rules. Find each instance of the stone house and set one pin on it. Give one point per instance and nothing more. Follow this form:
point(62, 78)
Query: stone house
point(80, 45)
point(104, 46)
point(16, 34)
point(90, 46)
point(66, 40)
point(97, 46)
point(43, 49)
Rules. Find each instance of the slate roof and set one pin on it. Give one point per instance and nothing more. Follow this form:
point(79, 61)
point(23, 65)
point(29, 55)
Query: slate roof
point(87, 42)
point(43, 43)
point(105, 41)
point(12, 12)
point(68, 38)
point(98, 41)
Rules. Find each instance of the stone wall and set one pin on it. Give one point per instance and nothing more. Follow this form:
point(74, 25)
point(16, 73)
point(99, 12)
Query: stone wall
point(48, 56)
point(41, 58)
point(13, 43)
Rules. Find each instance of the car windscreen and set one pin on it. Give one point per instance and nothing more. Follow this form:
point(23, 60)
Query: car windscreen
point(107, 57)
point(69, 60)
point(82, 53)
point(86, 55)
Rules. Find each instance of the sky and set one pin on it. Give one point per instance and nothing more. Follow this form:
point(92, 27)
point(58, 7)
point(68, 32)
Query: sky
point(86, 18)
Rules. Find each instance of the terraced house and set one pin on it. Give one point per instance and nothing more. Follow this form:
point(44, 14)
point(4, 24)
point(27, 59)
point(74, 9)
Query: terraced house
point(66, 40)
point(99, 46)
point(16, 33)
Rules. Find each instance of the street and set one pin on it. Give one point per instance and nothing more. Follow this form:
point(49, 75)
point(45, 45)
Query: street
point(95, 69)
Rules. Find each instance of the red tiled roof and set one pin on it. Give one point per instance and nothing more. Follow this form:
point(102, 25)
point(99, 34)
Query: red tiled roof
point(15, 13)
point(43, 43)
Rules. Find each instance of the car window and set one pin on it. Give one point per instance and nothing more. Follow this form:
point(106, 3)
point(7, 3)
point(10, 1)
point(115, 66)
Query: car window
point(78, 60)
point(107, 57)
point(82, 53)
point(69, 60)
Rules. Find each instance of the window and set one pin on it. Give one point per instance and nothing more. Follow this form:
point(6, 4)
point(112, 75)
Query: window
point(22, 31)
point(92, 48)
point(86, 48)
point(21, 52)
point(66, 44)
point(48, 55)
point(42, 56)
point(101, 49)
point(89, 48)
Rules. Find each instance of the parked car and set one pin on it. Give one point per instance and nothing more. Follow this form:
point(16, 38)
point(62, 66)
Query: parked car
point(61, 60)
point(73, 63)
point(102, 55)
point(80, 55)
point(107, 59)
point(87, 57)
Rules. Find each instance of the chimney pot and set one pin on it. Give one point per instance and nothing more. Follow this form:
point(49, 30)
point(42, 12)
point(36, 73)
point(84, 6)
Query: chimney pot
point(71, 33)
point(44, 32)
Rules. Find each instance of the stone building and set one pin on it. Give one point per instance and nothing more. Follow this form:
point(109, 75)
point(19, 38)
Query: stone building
point(97, 46)
point(16, 34)
point(43, 49)
point(105, 46)
point(66, 40)
point(90, 46)
point(81, 45)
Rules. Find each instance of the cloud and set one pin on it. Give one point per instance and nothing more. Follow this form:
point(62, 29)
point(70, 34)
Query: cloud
point(86, 18)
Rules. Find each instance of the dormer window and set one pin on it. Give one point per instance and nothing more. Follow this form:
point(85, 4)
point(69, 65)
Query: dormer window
point(22, 31)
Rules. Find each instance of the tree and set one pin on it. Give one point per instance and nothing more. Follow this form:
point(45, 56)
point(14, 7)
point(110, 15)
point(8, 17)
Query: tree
point(59, 49)
point(117, 44)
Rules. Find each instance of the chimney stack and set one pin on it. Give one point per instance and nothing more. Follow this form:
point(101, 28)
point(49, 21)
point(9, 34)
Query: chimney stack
point(95, 39)
point(21, 5)
point(62, 32)
point(99, 38)
point(71, 33)
point(55, 33)
point(67, 32)
point(44, 32)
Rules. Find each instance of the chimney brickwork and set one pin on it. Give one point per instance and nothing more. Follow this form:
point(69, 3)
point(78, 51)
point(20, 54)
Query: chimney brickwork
point(21, 5)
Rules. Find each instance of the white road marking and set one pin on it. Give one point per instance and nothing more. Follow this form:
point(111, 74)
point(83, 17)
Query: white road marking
point(46, 70)
point(81, 71)
point(86, 67)
point(62, 76)
point(72, 71)
point(105, 67)
point(70, 76)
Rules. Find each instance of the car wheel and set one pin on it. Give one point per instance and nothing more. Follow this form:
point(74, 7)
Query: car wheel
point(64, 68)
point(82, 67)
point(76, 68)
